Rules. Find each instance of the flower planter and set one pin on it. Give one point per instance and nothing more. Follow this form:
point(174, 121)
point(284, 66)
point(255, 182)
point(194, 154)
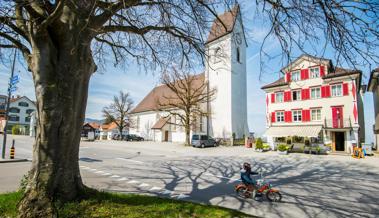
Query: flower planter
point(282, 152)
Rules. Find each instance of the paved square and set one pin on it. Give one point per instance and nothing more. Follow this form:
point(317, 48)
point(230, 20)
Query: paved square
point(311, 185)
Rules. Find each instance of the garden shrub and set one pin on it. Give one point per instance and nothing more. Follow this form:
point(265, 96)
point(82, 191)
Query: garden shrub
point(259, 143)
point(16, 130)
point(282, 147)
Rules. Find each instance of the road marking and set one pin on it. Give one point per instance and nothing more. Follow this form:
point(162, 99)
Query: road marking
point(115, 176)
point(84, 147)
point(181, 196)
point(144, 185)
point(83, 167)
point(92, 170)
point(122, 179)
point(99, 172)
point(106, 174)
point(155, 188)
point(133, 182)
point(167, 192)
point(134, 161)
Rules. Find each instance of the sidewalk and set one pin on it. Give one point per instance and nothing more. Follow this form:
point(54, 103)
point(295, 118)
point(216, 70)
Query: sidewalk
point(12, 160)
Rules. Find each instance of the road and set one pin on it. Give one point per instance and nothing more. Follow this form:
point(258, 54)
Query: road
point(312, 185)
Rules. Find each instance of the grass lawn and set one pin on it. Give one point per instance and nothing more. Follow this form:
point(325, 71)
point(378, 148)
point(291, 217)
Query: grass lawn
point(102, 204)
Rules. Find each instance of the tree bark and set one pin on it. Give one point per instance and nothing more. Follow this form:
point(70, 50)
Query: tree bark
point(61, 66)
point(187, 129)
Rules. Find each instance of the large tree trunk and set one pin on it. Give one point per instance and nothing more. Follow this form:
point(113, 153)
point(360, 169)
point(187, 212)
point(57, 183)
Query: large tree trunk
point(61, 65)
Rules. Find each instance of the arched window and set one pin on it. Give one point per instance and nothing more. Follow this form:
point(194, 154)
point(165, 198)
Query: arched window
point(238, 55)
point(217, 56)
point(29, 111)
point(14, 110)
point(23, 104)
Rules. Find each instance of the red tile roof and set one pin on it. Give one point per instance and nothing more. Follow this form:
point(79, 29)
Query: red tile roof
point(339, 71)
point(279, 82)
point(161, 95)
point(109, 126)
point(223, 25)
point(160, 123)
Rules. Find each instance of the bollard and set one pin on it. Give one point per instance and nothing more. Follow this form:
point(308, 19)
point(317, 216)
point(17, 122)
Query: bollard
point(12, 150)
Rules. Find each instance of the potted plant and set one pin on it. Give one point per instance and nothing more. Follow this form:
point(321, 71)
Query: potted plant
point(266, 147)
point(259, 145)
point(282, 149)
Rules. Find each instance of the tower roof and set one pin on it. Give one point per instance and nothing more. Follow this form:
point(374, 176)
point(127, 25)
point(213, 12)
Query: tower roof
point(223, 24)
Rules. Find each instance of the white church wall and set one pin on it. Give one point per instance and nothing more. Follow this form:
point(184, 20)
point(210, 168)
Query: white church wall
point(143, 128)
point(219, 76)
point(238, 79)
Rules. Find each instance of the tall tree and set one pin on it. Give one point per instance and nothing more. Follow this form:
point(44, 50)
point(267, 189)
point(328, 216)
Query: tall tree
point(60, 40)
point(63, 43)
point(118, 111)
point(187, 99)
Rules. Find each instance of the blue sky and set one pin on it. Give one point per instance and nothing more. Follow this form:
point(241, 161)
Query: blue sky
point(138, 83)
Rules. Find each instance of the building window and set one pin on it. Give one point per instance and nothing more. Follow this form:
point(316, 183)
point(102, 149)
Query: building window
point(315, 72)
point(296, 95)
point(217, 57)
point(315, 93)
point(138, 120)
point(27, 119)
point(23, 104)
point(296, 115)
point(279, 96)
point(337, 90)
point(201, 123)
point(14, 110)
point(238, 55)
point(280, 116)
point(173, 122)
point(295, 75)
point(316, 114)
point(29, 111)
point(14, 118)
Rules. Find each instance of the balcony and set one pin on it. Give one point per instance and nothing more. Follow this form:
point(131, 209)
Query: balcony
point(337, 124)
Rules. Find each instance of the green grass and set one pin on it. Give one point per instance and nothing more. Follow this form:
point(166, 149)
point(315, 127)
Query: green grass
point(102, 204)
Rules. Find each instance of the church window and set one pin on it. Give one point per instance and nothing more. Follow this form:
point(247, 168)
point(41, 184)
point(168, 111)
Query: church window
point(138, 124)
point(201, 123)
point(238, 55)
point(173, 122)
point(217, 56)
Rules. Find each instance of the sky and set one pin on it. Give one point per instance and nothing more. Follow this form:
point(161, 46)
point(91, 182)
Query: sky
point(104, 85)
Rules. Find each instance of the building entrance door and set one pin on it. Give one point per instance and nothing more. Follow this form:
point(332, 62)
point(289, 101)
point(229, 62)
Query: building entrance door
point(339, 141)
point(166, 136)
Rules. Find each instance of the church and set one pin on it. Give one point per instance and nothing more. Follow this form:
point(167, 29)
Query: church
point(225, 72)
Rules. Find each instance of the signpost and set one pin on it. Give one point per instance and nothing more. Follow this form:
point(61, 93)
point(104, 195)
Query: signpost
point(11, 88)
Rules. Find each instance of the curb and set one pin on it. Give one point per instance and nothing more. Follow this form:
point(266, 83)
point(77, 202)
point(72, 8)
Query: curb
point(12, 160)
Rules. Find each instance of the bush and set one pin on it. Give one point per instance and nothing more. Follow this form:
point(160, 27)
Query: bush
point(16, 130)
point(266, 146)
point(259, 144)
point(282, 147)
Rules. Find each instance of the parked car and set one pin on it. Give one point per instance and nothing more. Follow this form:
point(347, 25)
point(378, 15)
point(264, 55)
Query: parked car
point(133, 137)
point(202, 141)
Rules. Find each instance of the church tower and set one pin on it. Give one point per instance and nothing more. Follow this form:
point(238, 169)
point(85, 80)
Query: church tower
point(226, 72)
